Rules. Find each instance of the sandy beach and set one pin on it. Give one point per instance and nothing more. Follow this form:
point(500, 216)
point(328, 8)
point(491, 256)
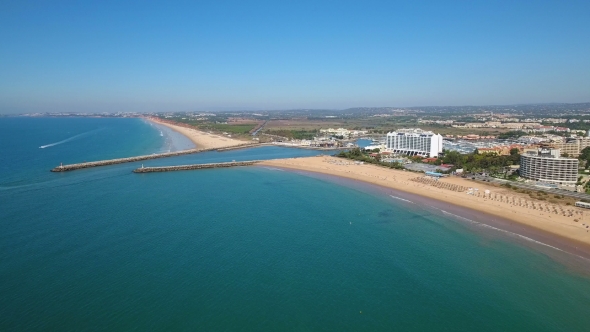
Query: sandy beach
point(201, 139)
point(567, 222)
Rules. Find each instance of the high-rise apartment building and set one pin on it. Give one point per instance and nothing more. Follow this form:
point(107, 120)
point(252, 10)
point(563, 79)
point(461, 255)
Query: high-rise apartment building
point(414, 142)
point(545, 165)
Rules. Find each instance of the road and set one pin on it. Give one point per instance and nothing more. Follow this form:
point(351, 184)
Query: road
point(259, 129)
point(531, 187)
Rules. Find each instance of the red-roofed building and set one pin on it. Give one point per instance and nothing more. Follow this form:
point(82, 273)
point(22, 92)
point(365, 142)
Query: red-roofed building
point(429, 160)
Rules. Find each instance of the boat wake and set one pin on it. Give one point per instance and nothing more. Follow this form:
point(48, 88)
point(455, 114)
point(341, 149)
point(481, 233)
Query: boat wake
point(401, 199)
point(69, 139)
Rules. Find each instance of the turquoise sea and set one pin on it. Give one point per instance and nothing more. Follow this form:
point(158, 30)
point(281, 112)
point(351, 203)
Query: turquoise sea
point(246, 249)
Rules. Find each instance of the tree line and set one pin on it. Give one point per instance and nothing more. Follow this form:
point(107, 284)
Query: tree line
point(363, 155)
point(475, 162)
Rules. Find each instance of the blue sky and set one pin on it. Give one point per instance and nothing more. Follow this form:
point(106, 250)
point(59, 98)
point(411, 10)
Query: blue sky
point(233, 55)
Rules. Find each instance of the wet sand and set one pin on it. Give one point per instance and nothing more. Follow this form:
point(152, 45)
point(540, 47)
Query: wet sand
point(551, 224)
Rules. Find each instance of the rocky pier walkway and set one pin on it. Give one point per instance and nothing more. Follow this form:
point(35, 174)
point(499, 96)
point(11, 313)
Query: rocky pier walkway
point(72, 167)
point(194, 166)
point(243, 146)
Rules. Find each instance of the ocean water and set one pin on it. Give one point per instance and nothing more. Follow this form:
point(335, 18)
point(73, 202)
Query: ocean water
point(249, 249)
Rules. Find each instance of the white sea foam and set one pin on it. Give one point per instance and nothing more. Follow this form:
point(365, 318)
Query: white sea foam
point(401, 199)
point(508, 232)
point(274, 169)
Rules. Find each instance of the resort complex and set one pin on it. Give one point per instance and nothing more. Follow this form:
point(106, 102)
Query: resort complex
point(415, 142)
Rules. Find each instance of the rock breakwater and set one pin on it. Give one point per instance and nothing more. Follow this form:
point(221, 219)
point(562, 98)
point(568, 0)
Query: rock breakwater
point(194, 166)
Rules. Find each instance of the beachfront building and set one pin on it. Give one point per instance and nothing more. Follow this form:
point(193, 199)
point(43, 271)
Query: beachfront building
point(414, 142)
point(570, 146)
point(502, 150)
point(547, 166)
point(343, 132)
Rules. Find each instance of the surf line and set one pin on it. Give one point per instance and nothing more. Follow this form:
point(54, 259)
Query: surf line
point(401, 199)
point(480, 224)
point(68, 139)
point(274, 169)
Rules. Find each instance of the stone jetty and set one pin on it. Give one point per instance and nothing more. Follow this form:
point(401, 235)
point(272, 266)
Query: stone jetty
point(304, 147)
point(194, 166)
point(243, 146)
point(72, 167)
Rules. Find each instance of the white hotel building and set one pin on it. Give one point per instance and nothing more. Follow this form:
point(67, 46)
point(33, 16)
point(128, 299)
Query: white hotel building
point(547, 165)
point(414, 142)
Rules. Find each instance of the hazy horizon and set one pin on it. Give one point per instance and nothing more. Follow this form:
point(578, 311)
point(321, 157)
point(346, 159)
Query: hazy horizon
point(238, 109)
point(232, 56)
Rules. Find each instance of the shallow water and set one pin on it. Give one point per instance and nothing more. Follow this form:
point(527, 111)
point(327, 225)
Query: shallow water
point(173, 141)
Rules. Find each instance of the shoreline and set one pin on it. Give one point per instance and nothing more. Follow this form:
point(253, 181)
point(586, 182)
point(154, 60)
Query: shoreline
point(548, 229)
point(173, 140)
point(201, 139)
